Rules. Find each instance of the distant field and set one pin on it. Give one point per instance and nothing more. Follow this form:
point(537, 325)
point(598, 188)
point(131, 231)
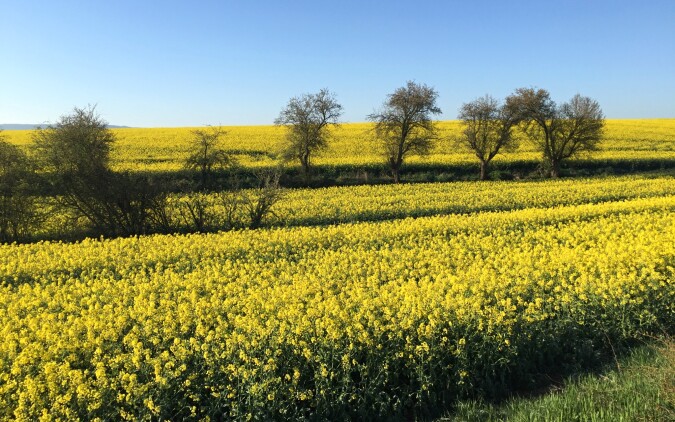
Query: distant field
point(163, 149)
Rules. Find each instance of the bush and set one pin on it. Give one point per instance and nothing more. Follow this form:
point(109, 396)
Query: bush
point(75, 154)
point(17, 206)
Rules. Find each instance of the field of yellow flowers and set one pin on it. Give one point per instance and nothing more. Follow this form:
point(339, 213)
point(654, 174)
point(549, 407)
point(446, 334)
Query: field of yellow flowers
point(346, 204)
point(164, 149)
point(361, 320)
point(335, 205)
point(363, 302)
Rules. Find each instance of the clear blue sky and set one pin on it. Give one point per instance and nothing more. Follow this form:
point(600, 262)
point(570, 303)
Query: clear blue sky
point(187, 63)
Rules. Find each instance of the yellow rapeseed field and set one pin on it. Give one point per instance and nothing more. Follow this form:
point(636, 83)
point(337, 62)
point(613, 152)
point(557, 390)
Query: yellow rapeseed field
point(326, 323)
point(345, 204)
point(164, 149)
point(374, 302)
point(381, 202)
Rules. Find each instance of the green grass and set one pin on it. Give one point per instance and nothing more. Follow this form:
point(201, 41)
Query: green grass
point(637, 387)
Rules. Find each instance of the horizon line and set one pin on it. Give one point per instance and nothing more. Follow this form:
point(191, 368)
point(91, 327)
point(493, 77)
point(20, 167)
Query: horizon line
point(111, 126)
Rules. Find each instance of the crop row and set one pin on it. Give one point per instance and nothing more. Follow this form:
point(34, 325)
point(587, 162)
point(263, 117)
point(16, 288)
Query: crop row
point(334, 205)
point(363, 320)
point(382, 202)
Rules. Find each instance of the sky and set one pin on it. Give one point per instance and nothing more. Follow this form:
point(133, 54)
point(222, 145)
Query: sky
point(170, 63)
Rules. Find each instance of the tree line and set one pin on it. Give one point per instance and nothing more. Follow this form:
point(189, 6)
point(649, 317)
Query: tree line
point(403, 126)
point(72, 156)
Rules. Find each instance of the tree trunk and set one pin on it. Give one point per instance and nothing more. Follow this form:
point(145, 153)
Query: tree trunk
point(306, 171)
point(555, 169)
point(483, 170)
point(395, 164)
point(203, 180)
point(304, 161)
point(396, 174)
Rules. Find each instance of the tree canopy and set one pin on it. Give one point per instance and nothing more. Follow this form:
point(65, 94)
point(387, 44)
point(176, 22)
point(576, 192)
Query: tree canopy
point(206, 153)
point(307, 118)
point(559, 131)
point(487, 129)
point(403, 126)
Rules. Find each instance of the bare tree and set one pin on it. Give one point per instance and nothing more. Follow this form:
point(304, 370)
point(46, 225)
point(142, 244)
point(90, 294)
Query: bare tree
point(308, 118)
point(17, 206)
point(404, 124)
point(258, 202)
point(559, 132)
point(194, 210)
point(487, 129)
point(231, 203)
point(206, 154)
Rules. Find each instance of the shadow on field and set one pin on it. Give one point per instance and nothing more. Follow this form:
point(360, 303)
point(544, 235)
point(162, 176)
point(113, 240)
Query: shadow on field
point(349, 175)
point(636, 383)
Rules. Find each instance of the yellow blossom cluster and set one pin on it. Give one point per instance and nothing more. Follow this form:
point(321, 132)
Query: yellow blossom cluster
point(358, 321)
